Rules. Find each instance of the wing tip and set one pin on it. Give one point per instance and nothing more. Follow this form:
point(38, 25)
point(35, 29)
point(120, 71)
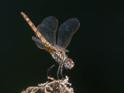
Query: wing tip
point(51, 17)
point(74, 20)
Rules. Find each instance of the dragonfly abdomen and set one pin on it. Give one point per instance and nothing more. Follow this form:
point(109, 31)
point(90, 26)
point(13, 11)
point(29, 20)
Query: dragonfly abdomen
point(37, 32)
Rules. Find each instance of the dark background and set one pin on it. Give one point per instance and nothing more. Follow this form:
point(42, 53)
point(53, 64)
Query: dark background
point(97, 47)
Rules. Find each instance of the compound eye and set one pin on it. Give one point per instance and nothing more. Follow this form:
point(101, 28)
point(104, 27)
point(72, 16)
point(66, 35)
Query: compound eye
point(69, 64)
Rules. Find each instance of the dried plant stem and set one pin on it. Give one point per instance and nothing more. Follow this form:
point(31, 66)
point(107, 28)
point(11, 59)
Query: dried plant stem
point(52, 86)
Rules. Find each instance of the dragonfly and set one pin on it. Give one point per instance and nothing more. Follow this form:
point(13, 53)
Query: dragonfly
point(55, 40)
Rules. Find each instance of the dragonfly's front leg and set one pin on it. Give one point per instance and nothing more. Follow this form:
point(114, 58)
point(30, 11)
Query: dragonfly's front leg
point(60, 71)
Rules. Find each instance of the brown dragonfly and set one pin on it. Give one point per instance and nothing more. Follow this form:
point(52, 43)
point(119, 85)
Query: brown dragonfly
point(55, 41)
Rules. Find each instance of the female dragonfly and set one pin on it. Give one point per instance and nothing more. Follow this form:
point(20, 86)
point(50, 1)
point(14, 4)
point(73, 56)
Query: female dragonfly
point(53, 40)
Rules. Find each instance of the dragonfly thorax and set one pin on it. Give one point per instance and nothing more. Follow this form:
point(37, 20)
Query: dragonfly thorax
point(61, 58)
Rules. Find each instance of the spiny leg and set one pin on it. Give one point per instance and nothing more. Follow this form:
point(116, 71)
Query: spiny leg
point(61, 71)
point(49, 69)
point(58, 72)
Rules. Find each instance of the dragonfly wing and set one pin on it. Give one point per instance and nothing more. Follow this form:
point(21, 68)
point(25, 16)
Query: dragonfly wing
point(37, 42)
point(48, 28)
point(66, 31)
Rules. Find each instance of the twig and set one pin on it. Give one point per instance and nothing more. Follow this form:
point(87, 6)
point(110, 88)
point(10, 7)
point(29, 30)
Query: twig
point(52, 86)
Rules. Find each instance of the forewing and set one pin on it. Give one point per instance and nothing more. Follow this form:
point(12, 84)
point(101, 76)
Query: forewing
point(66, 32)
point(48, 28)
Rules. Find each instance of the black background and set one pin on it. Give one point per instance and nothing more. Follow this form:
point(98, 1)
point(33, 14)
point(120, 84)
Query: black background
point(97, 48)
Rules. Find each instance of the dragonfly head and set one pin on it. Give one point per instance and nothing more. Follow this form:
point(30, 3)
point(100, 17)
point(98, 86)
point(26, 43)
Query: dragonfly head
point(69, 64)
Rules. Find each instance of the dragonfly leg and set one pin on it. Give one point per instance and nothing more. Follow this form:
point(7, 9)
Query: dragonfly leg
point(60, 72)
point(49, 69)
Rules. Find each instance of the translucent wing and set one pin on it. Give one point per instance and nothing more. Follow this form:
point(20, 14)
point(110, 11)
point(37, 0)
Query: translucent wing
point(37, 42)
point(48, 28)
point(66, 31)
